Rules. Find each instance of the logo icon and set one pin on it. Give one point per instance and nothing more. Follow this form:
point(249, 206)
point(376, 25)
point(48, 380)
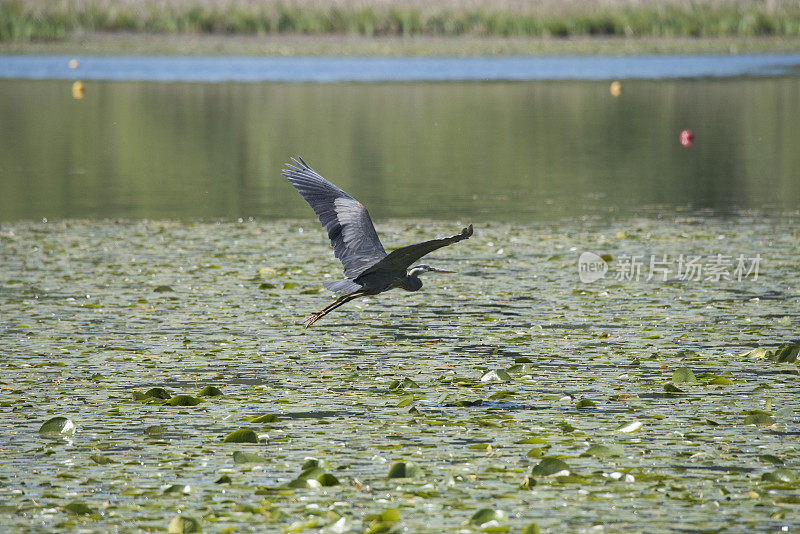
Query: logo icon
point(591, 267)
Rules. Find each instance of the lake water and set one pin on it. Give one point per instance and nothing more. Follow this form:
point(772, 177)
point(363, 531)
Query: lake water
point(514, 392)
point(503, 150)
point(396, 69)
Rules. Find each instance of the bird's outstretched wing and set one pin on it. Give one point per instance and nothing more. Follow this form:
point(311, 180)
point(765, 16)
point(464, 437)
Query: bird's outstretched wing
point(403, 257)
point(353, 237)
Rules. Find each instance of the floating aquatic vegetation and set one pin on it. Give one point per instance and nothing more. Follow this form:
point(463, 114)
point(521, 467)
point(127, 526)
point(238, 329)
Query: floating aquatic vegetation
point(183, 400)
point(683, 375)
point(209, 391)
point(405, 470)
point(57, 427)
point(380, 420)
point(181, 524)
point(240, 457)
point(243, 435)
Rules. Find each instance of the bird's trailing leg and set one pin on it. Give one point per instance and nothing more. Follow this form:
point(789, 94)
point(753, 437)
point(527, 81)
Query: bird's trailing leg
point(332, 306)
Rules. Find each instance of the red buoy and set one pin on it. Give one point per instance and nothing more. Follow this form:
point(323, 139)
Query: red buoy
point(687, 137)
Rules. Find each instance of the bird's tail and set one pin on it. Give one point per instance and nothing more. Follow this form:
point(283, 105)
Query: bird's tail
point(342, 286)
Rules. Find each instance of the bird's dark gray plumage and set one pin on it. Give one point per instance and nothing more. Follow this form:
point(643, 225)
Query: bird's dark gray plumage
point(369, 270)
point(347, 221)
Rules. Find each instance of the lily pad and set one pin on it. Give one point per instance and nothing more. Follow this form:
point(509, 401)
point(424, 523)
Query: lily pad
point(314, 477)
point(502, 394)
point(209, 391)
point(307, 474)
point(102, 460)
point(328, 479)
point(585, 403)
point(181, 524)
point(158, 393)
point(496, 375)
point(520, 369)
point(405, 383)
point(759, 419)
point(531, 441)
point(163, 289)
point(57, 427)
point(566, 427)
point(266, 418)
point(550, 466)
point(177, 488)
point(484, 516)
point(760, 353)
point(155, 431)
point(603, 451)
point(720, 381)
point(787, 353)
point(315, 462)
point(243, 435)
point(183, 400)
point(405, 401)
point(78, 508)
point(240, 457)
point(683, 375)
point(325, 479)
point(383, 522)
point(531, 528)
point(633, 426)
point(390, 515)
point(405, 470)
point(779, 475)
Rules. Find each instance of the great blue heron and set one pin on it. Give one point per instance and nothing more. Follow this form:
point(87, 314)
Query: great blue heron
point(368, 269)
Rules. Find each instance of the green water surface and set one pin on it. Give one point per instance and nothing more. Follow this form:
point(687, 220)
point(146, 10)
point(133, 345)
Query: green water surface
point(492, 151)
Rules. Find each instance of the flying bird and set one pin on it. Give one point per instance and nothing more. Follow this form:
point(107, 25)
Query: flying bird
point(368, 269)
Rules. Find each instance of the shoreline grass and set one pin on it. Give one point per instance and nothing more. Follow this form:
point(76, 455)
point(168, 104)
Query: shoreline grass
point(34, 20)
point(354, 45)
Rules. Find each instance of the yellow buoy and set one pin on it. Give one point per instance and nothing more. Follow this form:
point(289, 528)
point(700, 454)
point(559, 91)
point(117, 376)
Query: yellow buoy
point(77, 90)
point(615, 88)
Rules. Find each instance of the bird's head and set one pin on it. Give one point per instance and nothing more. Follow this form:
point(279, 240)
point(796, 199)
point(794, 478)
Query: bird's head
point(419, 269)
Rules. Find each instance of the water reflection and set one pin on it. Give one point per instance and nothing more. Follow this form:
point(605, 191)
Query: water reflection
point(502, 151)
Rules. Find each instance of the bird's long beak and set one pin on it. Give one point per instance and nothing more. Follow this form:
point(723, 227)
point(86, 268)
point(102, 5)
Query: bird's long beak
point(435, 270)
